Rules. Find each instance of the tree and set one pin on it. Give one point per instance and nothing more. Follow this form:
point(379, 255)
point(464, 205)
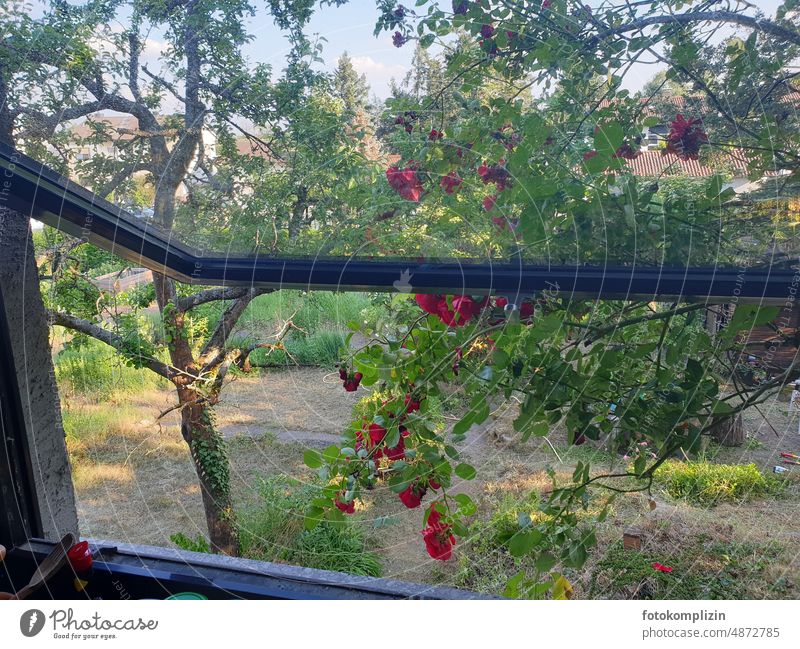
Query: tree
point(349, 86)
point(550, 179)
point(80, 65)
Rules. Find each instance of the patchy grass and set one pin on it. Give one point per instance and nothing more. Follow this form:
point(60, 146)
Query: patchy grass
point(706, 483)
point(702, 568)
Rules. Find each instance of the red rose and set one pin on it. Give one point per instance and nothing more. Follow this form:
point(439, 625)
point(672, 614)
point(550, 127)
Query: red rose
point(450, 182)
point(685, 138)
point(412, 497)
point(429, 303)
point(351, 383)
point(526, 310)
point(347, 508)
point(398, 452)
point(435, 135)
point(489, 203)
point(376, 434)
point(439, 541)
point(412, 405)
point(501, 302)
point(405, 182)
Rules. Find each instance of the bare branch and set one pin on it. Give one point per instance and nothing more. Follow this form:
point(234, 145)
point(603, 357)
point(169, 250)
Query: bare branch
point(214, 350)
point(213, 295)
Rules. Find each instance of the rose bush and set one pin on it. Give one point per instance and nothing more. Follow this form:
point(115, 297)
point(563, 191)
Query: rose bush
point(549, 176)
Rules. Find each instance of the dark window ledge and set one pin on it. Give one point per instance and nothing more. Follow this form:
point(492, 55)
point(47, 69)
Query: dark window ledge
point(131, 571)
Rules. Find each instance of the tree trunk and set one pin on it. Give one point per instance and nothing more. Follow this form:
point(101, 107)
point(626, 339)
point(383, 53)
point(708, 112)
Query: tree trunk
point(211, 465)
point(728, 431)
point(197, 426)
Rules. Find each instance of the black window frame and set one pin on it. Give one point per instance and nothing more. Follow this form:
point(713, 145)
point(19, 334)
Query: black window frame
point(36, 191)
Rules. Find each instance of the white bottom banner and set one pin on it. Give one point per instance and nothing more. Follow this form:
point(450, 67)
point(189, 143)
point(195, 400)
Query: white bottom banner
point(400, 623)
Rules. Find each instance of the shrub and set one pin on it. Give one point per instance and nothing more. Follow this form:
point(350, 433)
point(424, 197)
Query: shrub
point(708, 484)
point(197, 544)
point(273, 531)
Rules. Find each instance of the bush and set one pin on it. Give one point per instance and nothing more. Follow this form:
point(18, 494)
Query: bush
point(706, 483)
point(273, 531)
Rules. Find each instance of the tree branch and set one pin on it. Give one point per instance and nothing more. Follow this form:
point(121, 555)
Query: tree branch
point(213, 295)
point(109, 338)
point(758, 24)
point(214, 350)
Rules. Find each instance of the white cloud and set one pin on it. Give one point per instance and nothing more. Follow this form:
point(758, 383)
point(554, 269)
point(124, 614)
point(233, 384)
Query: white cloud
point(378, 73)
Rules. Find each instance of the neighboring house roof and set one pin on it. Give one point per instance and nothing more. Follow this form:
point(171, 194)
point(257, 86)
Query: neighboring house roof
point(656, 163)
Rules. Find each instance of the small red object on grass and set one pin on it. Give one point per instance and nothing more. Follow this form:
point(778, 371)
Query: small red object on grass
point(662, 568)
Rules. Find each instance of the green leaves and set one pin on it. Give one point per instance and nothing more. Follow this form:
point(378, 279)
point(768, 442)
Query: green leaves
point(608, 138)
point(312, 458)
point(465, 471)
point(523, 542)
point(748, 316)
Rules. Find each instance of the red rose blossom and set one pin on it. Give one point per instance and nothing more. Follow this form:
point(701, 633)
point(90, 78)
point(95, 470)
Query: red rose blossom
point(412, 497)
point(405, 182)
point(450, 182)
point(347, 508)
point(412, 405)
point(685, 138)
point(428, 303)
point(439, 540)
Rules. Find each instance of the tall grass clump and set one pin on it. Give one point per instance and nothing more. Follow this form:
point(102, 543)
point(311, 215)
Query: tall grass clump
point(321, 348)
